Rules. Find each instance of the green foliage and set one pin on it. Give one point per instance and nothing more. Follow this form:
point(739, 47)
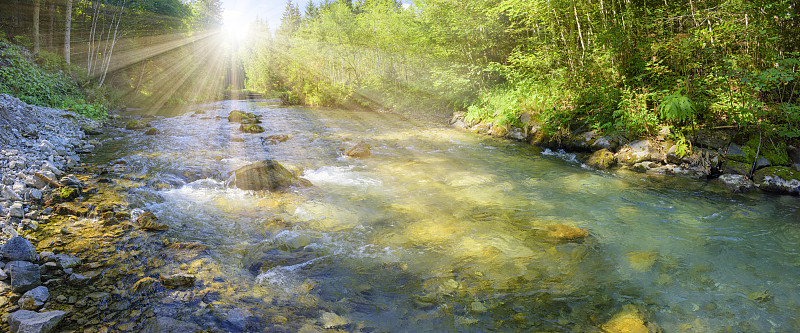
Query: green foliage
point(32, 84)
point(676, 108)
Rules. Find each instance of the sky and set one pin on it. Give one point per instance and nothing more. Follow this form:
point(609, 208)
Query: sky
point(242, 12)
point(246, 11)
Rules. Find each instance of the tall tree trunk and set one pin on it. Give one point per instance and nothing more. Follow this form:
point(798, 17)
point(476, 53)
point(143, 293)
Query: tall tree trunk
point(36, 9)
point(52, 25)
point(67, 28)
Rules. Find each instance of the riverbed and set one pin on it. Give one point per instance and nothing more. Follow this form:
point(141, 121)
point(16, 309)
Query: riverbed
point(438, 230)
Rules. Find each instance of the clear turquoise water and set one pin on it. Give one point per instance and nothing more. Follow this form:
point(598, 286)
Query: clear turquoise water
point(441, 230)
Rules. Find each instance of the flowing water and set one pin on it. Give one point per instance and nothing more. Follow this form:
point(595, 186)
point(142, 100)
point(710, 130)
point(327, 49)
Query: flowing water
point(443, 230)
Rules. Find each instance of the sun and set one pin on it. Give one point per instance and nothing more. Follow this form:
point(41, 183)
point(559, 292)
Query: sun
point(235, 25)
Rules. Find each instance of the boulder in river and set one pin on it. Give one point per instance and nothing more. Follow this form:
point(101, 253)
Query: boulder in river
point(360, 150)
point(135, 125)
point(237, 116)
point(19, 249)
point(251, 128)
point(152, 131)
point(265, 175)
point(30, 322)
point(601, 159)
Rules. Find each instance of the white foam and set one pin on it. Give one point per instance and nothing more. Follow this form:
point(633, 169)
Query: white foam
point(344, 176)
point(569, 157)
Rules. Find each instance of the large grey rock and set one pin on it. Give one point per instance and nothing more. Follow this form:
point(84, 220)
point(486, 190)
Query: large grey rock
point(7, 193)
point(169, 325)
point(66, 261)
point(265, 175)
point(24, 321)
point(778, 179)
point(34, 299)
point(634, 152)
point(24, 276)
point(737, 183)
point(19, 249)
point(16, 210)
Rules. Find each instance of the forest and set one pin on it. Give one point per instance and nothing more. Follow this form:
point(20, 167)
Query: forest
point(614, 66)
point(92, 56)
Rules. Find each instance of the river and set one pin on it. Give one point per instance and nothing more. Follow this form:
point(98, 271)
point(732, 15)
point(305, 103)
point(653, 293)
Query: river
point(440, 230)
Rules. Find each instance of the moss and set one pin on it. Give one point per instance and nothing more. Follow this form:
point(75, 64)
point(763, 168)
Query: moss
point(775, 153)
point(67, 194)
point(152, 131)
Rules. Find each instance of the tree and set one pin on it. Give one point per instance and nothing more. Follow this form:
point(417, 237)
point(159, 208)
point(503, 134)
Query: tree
point(67, 29)
point(36, 10)
point(290, 20)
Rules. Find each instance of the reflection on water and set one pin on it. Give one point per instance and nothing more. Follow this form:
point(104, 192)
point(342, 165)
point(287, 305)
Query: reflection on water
point(443, 230)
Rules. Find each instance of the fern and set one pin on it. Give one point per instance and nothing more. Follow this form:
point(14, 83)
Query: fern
point(676, 108)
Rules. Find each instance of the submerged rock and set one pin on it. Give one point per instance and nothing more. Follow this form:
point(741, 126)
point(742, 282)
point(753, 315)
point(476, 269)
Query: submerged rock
point(19, 249)
point(631, 319)
point(562, 232)
point(176, 281)
point(30, 322)
point(642, 261)
point(169, 325)
point(149, 221)
point(360, 150)
point(265, 175)
point(145, 285)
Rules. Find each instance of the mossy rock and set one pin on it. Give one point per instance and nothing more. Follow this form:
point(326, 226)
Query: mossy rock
point(66, 194)
point(736, 168)
point(135, 125)
point(251, 128)
point(152, 131)
point(778, 179)
point(601, 159)
point(775, 153)
point(237, 116)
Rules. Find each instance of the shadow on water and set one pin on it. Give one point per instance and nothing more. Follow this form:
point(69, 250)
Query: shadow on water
point(439, 230)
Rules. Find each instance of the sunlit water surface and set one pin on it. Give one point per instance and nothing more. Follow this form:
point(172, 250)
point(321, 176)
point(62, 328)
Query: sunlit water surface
point(441, 230)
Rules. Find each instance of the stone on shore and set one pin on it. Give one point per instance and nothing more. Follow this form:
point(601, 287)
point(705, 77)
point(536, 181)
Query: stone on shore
point(24, 321)
point(778, 179)
point(34, 299)
point(19, 249)
point(265, 175)
point(634, 152)
point(24, 276)
point(737, 183)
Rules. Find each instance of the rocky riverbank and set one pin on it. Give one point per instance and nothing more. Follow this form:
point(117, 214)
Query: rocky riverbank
point(720, 155)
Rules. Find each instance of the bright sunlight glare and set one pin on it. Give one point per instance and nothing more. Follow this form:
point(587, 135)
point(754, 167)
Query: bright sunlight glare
point(234, 25)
